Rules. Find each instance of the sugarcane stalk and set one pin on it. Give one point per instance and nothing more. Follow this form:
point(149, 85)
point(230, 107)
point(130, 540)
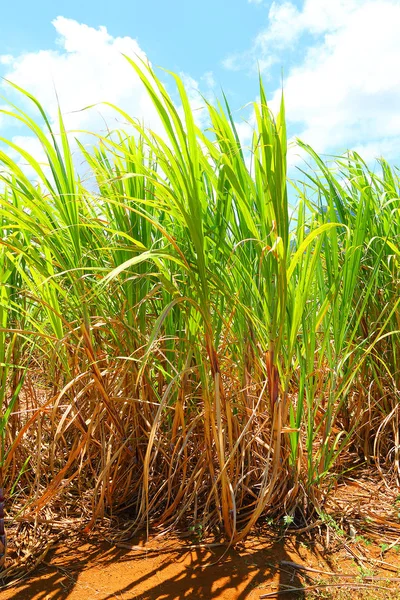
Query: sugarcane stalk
point(3, 535)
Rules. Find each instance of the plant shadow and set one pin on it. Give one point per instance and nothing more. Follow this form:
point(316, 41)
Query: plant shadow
point(167, 570)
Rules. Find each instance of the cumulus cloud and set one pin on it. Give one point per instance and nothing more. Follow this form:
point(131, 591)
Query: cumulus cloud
point(5, 59)
point(345, 91)
point(209, 80)
point(87, 68)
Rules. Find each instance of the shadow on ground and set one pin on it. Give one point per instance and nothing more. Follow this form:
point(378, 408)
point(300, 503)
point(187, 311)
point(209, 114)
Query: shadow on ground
point(168, 570)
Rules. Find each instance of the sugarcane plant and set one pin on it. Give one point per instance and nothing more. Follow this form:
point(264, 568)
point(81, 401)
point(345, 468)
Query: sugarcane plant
point(206, 351)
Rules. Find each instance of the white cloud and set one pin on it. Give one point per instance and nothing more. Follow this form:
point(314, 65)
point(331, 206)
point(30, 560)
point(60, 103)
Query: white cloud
point(88, 68)
point(345, 92)
point(208, 79)
point(5, 59)
point(387, 148)
point(231, 63)
point(254, 1)
point(286, 23)
point(284, 26)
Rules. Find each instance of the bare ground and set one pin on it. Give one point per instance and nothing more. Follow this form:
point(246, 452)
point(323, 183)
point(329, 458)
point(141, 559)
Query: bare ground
point(171, 568)
point(354, 553)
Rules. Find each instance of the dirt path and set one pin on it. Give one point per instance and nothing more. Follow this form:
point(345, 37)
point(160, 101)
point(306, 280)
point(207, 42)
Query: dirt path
point(169, 569)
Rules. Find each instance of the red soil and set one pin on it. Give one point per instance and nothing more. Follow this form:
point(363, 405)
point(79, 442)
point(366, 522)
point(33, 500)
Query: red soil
point(170, 569)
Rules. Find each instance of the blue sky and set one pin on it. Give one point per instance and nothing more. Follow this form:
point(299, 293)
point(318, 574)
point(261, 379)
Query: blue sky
point(179, 35)
point(339, 60)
